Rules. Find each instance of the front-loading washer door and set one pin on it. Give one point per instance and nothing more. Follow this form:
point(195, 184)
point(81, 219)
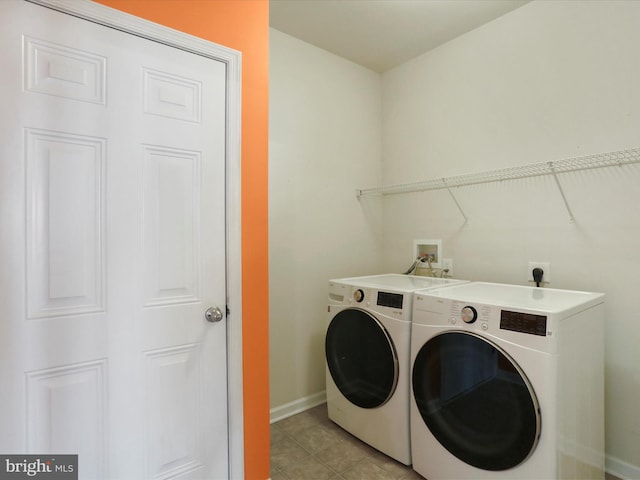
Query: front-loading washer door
point(361, 358)
point(476, 401)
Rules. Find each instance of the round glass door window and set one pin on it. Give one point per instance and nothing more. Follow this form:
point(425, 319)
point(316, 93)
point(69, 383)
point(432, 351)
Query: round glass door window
point(361, 358)
point(476, 401)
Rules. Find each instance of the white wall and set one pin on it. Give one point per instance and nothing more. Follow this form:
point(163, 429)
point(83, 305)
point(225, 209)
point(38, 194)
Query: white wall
point(324, 143)
point(551, 80)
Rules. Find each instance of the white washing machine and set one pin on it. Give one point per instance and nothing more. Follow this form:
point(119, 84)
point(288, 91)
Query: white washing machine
point(507, 382)
point(367, 357)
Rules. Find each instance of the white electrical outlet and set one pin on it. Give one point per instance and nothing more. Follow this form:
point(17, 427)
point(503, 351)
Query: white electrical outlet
point(447, 264)
point(546, 268)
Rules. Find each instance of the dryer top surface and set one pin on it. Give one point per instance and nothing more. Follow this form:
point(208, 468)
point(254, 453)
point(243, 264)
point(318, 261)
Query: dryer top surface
point(517, 296)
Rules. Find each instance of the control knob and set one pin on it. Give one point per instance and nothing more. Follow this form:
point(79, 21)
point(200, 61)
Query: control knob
point(469, 314)
point(358, 295)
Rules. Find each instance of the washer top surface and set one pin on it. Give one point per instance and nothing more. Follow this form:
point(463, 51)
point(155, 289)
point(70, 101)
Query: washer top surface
point(516, 296)
point(398, 281)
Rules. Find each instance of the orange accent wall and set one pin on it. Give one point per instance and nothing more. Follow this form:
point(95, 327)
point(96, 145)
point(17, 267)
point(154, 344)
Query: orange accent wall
point(242, 25)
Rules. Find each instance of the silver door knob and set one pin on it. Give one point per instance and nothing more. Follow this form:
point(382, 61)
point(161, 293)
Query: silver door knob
point(213, 314)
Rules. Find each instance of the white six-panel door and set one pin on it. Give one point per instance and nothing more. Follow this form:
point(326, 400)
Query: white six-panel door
point(112, 247)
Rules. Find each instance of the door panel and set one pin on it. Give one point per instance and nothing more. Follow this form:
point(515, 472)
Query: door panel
point(63, 71)
point(112, 221)
point(65, 234)
point(171, 197)
point(66, 411)
point(175, 411)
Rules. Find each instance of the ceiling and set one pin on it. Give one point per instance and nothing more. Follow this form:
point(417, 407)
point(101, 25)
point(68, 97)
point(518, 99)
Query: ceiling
point(380, 34)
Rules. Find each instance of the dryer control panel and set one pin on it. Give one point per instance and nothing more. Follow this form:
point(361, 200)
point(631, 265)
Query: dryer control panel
point(523, 322)
point(520, 322)
point(469, 314)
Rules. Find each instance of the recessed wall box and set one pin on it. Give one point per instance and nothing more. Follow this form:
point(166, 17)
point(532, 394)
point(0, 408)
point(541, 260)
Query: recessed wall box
point(428, 248)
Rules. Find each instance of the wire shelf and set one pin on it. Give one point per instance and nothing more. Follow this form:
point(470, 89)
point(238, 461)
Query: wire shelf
point(588, 162)
point(610, 159)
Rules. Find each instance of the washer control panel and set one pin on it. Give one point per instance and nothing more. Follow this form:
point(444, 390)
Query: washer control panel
point(358, 295)
point(395, 304)
point(381, 298)
point(388, 299)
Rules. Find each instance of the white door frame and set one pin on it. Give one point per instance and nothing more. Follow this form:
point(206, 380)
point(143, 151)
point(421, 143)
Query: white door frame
point(124, 22)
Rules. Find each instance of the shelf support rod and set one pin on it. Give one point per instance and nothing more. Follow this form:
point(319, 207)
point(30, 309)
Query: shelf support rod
point(564, 198)
point(453, 197)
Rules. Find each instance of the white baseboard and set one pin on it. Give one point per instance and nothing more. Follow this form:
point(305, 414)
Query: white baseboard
point(620, 469)
point(283, 411)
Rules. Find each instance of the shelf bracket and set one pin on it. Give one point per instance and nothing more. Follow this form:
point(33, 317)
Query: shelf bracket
point(564, 198)
point(455, 200)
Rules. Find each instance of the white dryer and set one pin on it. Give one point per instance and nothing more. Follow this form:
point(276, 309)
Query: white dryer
point(507, 382)
point(367, 357)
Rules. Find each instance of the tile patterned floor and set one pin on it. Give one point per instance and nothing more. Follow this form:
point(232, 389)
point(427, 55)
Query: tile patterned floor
point(309, 446)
